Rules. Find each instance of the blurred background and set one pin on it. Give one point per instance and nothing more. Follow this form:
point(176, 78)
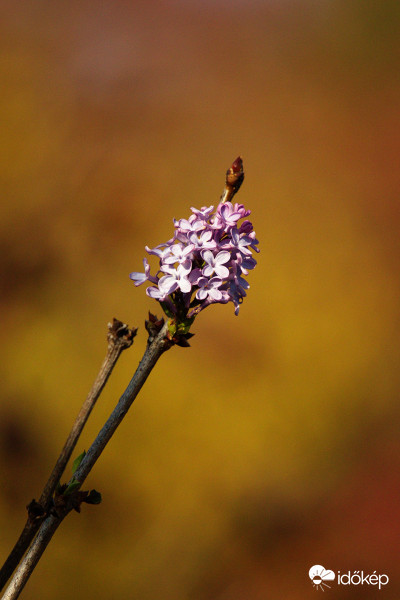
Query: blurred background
point(272, 444)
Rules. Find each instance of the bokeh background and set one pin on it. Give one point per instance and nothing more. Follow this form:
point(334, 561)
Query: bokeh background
point(272, 444)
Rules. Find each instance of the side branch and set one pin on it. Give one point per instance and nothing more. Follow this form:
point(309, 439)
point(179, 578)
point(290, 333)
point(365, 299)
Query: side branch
point(158, 345)
point(119, 338)
point(153, 352)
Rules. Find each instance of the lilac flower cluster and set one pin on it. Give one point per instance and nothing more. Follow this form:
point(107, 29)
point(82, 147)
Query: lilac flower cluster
point(205, 262)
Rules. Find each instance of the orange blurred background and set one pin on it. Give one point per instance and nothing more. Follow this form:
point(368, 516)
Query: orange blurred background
point(272, 444)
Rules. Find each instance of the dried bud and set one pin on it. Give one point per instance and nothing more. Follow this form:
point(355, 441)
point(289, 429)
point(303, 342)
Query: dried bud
point(120, 332)
point(182, 340)
point(153, 326)
point(35, 510)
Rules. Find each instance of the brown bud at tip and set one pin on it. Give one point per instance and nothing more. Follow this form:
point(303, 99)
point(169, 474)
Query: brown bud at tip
point(235, 174)
point(234, 179)
point(237, 166)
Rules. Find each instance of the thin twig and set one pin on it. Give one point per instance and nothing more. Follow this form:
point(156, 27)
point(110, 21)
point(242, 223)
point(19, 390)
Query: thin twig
point(150, 357)
point(159, 344)
point(119, 337)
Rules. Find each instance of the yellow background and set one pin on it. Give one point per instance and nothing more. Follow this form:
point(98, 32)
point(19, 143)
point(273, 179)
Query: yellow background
point(272, 444)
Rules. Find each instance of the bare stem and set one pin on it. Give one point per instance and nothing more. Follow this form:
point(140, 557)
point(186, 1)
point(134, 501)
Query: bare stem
point(46, 532)
point(154, 350)
point(119, 337)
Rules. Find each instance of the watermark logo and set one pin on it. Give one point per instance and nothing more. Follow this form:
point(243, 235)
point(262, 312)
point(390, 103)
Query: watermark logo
point(319, 576)
point(361, 578)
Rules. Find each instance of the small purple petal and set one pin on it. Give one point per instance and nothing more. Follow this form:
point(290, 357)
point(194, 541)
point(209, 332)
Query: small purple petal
point(161, 251)
point(204, 212)
point(195, 276)
point(155, 293)
point(168, 284)
point(138, 278)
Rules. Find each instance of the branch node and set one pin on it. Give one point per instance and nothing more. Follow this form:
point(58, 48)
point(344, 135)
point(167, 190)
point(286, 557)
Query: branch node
point(153, 326)
point(35, 510)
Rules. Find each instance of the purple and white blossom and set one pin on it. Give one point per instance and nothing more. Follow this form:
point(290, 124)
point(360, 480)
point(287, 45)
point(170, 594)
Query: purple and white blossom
point(205, 262)
point(158, 293)
point(226, 216)
point(179, 253)
point(209, 288)
point(214, 264)
point(175, 278)
point(191, 224)
point(204, 212)
point(246, 263)
point(204, 240)
point(139, 278)
point(162, 251)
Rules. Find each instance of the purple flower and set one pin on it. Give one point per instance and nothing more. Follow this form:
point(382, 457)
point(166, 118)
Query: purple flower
point(241, 209)
point(204, 212)
point(188, 225)
point(237, 287)
point(175, 278)
point(246, 227)
point(139, 278)
point(204, 240)
point(180, 254)
point(254, 241)
point(238, 242)
point(226, 216)
point(215, 263)
point(156, 293)
point(246, 263)
point(205, 262)
point(162, 251)
point(208, 288)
